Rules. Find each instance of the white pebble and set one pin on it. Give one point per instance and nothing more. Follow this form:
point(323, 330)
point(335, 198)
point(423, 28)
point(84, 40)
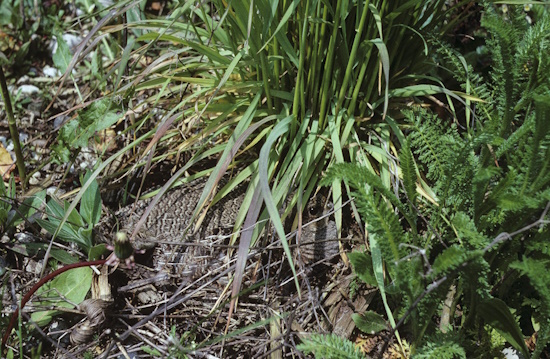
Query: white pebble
point(28, 89)
point(51, 71)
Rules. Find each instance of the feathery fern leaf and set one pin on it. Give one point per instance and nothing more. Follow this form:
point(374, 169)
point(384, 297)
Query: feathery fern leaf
point(408, 167)
point(358, 177)
point(446, 350)
point(382, 222)
point(450, 259)
point(505, 36)
point(330, 346)
point(540, 177)
point(431, 143)
point(377, 213)
point(449, 160)
point(468, 235)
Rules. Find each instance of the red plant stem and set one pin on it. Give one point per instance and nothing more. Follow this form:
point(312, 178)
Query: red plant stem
point(40, 283)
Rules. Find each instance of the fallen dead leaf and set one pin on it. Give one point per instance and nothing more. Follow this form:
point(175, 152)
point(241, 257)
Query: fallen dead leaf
point(7, 164)
point(105, 140)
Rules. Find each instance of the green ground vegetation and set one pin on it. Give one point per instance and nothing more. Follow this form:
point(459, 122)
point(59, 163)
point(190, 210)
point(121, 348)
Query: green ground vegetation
point(444, 148)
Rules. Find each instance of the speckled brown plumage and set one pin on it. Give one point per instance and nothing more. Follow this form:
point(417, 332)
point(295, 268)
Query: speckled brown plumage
point(318, 240)
point(170, 222)
point(170, 218)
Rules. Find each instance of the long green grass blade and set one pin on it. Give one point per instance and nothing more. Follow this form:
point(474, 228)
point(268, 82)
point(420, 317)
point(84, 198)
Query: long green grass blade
point(281, 128)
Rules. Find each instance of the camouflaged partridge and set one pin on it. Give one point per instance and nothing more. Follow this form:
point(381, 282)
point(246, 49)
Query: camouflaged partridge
point(169, 222)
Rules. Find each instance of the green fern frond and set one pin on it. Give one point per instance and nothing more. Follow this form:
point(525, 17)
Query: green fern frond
point(476, 280)
point(540, 199)
point(408, 167)
point(543, 338)
point(449, 260)
point(542, 114)
point(538, 272)
point(470, 81)
point(539, 167)
point(450, 161)
point(505, 35)
point(381, 221)
point(532, 56)
point(497, 193)
point(520, 63)
point(377, 213)
point(469, 236)
point(538, 244)
point(430, 142)
point(446, 350)
point(492, 177)
point(511, 143)
point(357, 177)
point(330, 346)
point(481, 182)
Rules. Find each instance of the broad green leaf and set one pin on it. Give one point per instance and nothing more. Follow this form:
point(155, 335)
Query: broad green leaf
point(32, 249)
point(7, 13)
point(51, 226)
point(63, 256)
point(497, 314)
point(22, 54)
point(97, 251)
point(74, 217)
point(96, 172)
point(362, 265)
point(54, 209)
point(100, 115)
point(29, 207)
point(62, 57)
point(3, 216)
point(2, 191)
point(74, 230)
point(3, 59)
point(85, 235)
point(90, 205)
point(370, 322)
point(72, 285)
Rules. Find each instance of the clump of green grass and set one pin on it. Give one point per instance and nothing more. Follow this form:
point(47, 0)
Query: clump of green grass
point(273, 92)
